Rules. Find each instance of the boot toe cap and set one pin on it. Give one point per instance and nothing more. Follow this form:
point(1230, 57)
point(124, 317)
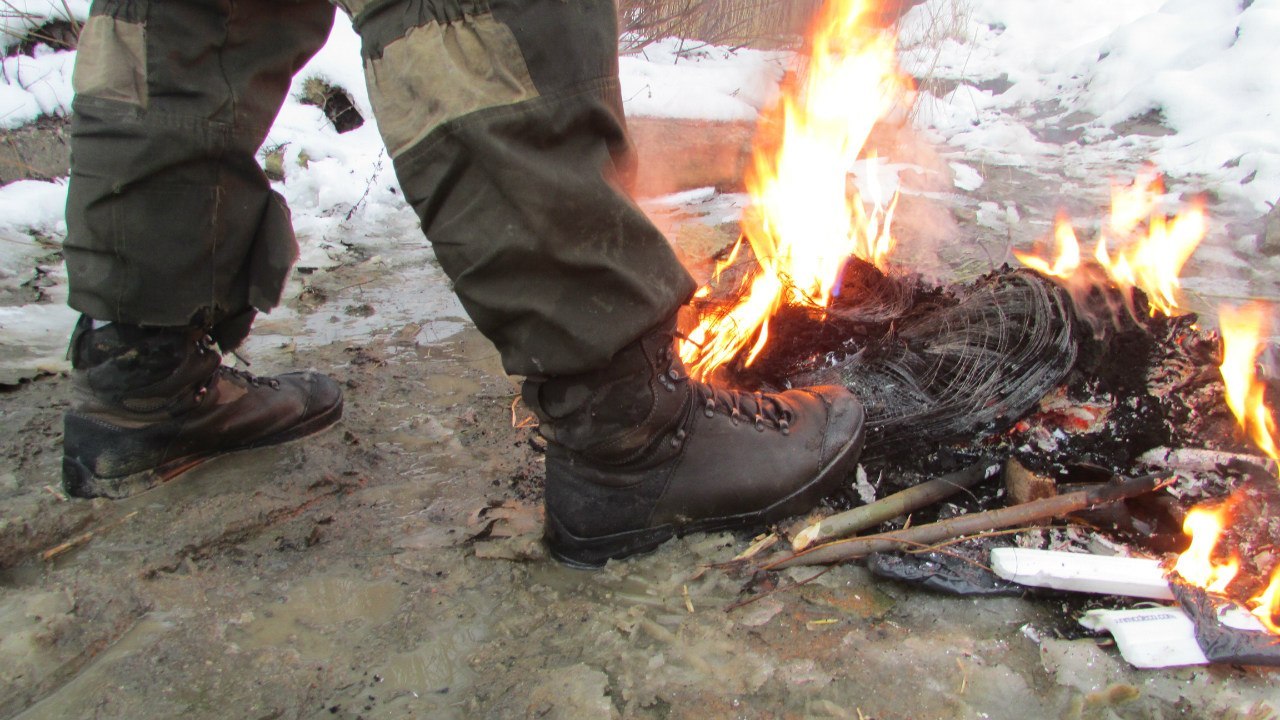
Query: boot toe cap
point(320, 392)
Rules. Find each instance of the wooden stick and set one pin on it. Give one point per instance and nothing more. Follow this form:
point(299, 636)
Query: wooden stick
point(858, 519)
point(1200, 459)
point(83, 538)
point(969, 524)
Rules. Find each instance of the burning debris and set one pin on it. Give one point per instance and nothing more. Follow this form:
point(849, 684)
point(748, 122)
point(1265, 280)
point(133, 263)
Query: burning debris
point(1087, 373)
point(1079, 386)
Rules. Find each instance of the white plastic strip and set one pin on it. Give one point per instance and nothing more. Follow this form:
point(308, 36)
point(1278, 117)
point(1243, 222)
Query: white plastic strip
point(1078, 572)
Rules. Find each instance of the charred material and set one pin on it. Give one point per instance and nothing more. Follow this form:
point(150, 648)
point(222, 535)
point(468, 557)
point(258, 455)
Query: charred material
point(1221, 642)
point(929, 364)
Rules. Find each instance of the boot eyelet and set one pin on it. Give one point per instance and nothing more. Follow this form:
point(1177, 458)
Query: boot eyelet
point(735, 416)
point(759, 424)
point(678, 439)
point(710, 408)
point(201, 393)
point(784, 426)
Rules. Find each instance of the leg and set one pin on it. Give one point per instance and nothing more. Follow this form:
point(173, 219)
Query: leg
point(504, 119)
point(170, 219)
point(174, 235)
point(505, 122)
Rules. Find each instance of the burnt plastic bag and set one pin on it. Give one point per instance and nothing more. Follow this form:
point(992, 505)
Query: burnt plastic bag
point(1221, 642)
point(941, 573)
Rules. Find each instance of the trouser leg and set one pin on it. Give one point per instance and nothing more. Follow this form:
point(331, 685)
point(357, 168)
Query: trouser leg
point(170, 220)
point(504, 119)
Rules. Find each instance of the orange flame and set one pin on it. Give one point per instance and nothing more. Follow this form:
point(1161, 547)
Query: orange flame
point(1267, 604)
point(1068, 259)
point(1242, 333)
point(1196, 565)
point(1149, 258)
point(805, 221)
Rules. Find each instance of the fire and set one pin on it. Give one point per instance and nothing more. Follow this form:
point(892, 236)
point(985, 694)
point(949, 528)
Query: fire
point(1267, 603)
point(1196, 565)
point(1242, 333)
point(805, 221)
point(1147, 256)
point(1068, 259)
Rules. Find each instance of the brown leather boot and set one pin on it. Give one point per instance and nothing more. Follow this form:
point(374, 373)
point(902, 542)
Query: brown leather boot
point(150, 404)
point(640, 452)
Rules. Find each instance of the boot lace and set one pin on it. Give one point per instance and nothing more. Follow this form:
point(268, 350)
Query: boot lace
point(246, 376)
point(763, 410)
point(237, 375)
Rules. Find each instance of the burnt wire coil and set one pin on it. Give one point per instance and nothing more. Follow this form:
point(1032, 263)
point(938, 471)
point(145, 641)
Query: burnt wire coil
point(930, 365)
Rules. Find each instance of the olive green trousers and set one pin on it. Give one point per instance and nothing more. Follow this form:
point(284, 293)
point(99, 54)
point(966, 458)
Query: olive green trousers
point(504, 121)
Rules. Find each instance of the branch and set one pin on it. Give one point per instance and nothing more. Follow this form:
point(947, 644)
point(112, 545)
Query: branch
point(969, 524)
point(858, 519)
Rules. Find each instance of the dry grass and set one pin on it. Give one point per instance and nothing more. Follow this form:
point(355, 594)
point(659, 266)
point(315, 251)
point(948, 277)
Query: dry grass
point(61, 30)
point(946, 20)
point(758, 23)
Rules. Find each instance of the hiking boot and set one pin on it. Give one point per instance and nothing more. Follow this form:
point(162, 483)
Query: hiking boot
point(640, 452)
point(151, 403)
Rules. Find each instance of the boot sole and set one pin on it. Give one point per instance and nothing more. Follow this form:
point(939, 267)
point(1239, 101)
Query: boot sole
point(592, 553)
point(79, 481)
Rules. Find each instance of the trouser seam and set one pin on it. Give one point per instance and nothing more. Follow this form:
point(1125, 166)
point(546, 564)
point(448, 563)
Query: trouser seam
point(455, 126)
point(213, 129)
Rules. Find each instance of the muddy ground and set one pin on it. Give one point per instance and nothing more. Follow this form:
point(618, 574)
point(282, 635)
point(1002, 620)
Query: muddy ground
point(341, 576)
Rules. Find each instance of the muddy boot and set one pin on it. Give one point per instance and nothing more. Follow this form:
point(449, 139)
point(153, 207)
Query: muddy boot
point(151, 403)
point(640, 452)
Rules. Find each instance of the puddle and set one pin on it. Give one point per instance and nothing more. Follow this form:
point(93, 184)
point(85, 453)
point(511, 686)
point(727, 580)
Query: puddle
point(93, 682)
point(437, 666)
point(318, 616)
point(402, 290)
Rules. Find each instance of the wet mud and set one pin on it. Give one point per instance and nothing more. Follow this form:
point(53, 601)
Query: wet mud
point(390, 567)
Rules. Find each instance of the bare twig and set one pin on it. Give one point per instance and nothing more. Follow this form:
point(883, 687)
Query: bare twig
point(517, 423)
point(860, 518)
point(83, 538)
point(714, 22)
point(969, 524)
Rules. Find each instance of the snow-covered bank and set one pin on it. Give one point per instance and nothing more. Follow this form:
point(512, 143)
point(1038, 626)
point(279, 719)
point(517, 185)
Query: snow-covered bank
point(1006, 80)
